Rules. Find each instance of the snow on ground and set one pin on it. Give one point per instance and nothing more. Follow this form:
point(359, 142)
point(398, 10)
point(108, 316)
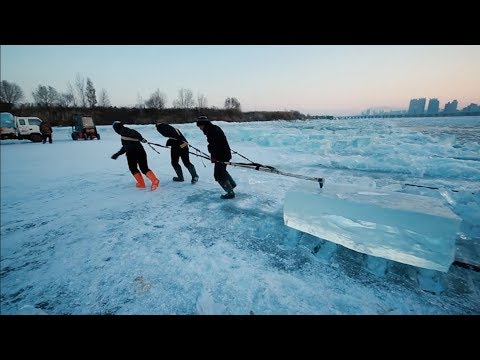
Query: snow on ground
point(77, 237)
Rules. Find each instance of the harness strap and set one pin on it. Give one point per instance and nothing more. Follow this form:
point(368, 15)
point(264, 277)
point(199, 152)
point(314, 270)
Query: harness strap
point(184, 143)
point(129, 138)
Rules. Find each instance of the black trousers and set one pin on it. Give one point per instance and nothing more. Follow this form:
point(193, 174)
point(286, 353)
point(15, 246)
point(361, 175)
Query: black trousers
point(49, 137)
point(176, 153)
point(220, 172)
point(137, 158)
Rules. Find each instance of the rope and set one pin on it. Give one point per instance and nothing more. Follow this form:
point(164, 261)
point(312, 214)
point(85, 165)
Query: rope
point(271, 169)
point(198, 152)
point(243, 157)
point(150, 144)
point(434, 188)
point(250, 165)
point(266, 168)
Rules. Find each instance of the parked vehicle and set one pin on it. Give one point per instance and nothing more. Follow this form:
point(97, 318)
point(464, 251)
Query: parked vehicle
point(84, 128)
point(20, 127)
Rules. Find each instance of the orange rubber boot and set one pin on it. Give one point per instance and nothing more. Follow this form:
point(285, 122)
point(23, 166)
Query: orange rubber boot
point(153, 179)
point(140, 182)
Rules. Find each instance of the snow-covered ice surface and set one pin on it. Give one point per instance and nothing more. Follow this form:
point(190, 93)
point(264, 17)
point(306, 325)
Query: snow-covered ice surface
point(77, 237)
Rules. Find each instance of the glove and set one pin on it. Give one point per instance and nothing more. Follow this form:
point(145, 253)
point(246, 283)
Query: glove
point(114, 156)
point(213, 160)
point(144, 140)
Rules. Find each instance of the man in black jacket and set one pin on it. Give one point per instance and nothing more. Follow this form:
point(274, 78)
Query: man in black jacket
point(220, 153)
point(179, 149)
point(136, 155)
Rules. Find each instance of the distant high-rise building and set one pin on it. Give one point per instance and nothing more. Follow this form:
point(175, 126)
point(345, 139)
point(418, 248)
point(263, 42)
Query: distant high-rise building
point(411, 106)
point(451, 107)
point(417, 106)
point(471, 108)
point(433, 106)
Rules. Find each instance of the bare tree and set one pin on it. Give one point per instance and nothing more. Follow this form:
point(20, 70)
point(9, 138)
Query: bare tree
point(157, 100)
point(103, 101)
point(10, 93)
point(71, 93)
point(80, 86)
point(232, 104)
point(202, 101)
point(66, 99)
point(90, 94)
point(184, 100)
point(140, 104)
point(45, 96)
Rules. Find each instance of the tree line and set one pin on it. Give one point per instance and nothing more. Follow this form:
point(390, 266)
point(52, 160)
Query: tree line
point(81, 97)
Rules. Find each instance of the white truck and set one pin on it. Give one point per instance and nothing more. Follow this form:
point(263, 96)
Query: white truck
point(20, 127)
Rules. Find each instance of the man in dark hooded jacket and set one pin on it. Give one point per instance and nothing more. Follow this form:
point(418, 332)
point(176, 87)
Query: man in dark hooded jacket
point(220, 153)
point(179, 149)
point(46, 130)
point(136, 155)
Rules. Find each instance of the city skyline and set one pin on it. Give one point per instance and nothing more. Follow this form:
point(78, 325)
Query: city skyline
point(312, 79)
point(421, 106)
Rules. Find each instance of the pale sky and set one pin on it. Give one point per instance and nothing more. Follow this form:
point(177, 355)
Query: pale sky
point(312, 79)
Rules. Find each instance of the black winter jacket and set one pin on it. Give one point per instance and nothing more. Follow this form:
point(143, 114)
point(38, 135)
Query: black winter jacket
point(176, 138)
point(130, 140)
point(218, 145)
